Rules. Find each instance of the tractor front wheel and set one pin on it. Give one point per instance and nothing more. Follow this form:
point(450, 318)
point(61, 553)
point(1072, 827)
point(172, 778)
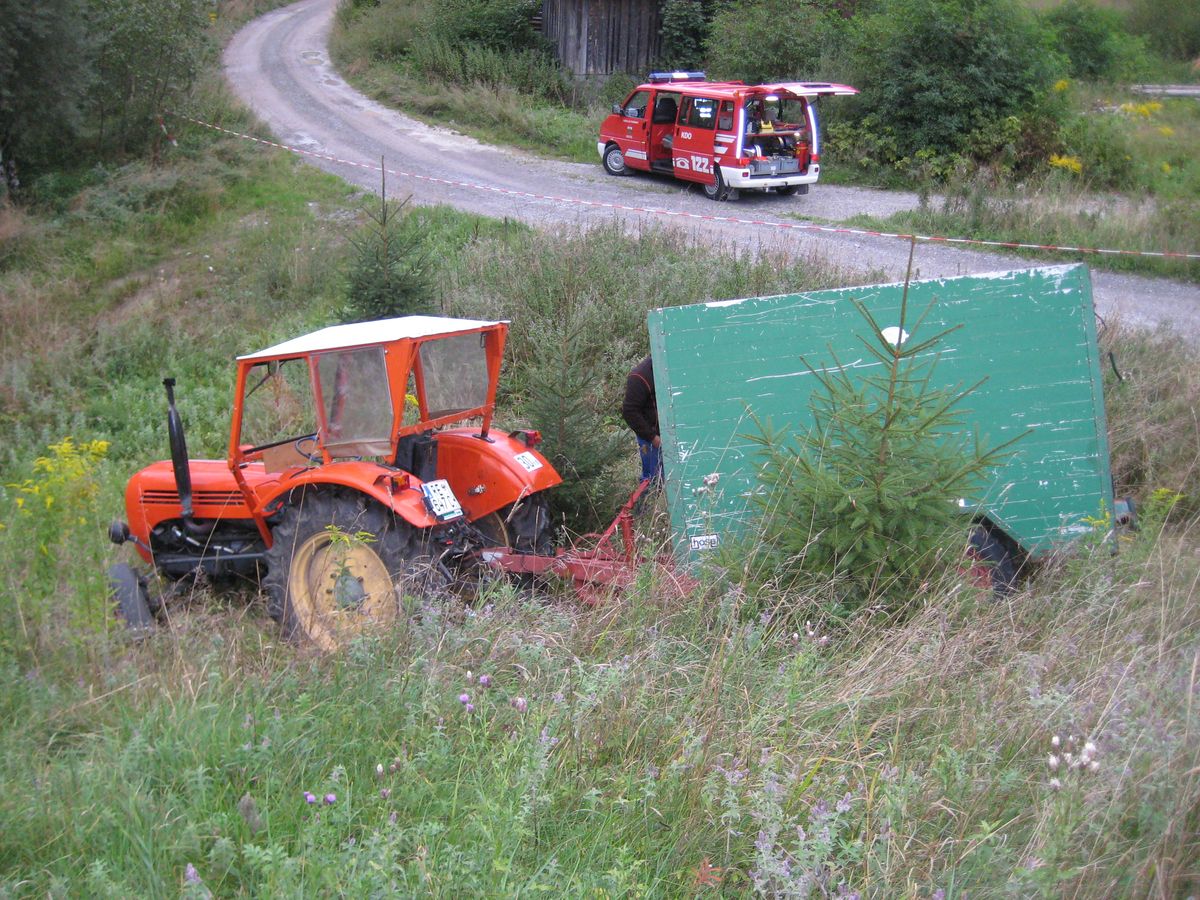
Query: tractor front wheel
point(133, 600)
point(338, 565)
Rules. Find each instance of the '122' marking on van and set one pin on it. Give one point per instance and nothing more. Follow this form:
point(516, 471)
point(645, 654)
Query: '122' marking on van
point(695, 163)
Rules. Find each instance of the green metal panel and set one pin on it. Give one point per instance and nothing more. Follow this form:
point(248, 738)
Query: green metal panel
point(1030, 332)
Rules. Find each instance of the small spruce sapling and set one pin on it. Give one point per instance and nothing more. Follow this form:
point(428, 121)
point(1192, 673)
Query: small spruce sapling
point(867, 497)
point(389, 271)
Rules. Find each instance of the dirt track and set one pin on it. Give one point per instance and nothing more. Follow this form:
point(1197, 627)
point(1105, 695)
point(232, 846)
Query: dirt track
point(280, 68)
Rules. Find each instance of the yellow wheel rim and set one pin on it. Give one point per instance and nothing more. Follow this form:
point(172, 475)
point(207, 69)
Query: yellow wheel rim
point(339, 589)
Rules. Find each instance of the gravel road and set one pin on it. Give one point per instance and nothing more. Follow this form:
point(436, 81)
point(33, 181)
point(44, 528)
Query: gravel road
point(279, 66)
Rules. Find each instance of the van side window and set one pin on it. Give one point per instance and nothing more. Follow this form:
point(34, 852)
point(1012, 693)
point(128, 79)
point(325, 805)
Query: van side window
point(635, 106)
point(700, 112)
point(725, 119)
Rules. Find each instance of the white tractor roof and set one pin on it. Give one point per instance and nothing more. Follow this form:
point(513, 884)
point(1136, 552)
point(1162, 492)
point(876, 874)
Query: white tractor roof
point(366, 334)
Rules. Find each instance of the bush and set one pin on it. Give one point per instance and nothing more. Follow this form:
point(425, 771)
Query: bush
point(1102, 148)
point(1096, 42)
point(684, 30)
point(935, 71)
point(773, 40)
point(530, 72)
point(504, 25)
point(1171, 27)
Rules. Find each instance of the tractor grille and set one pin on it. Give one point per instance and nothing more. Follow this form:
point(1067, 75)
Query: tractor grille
point(199, 498)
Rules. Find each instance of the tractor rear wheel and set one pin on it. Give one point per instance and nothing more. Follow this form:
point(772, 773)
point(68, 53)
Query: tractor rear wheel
point(338, 566)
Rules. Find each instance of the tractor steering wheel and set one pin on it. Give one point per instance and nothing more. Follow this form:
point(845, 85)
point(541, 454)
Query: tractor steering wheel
point(311, 453)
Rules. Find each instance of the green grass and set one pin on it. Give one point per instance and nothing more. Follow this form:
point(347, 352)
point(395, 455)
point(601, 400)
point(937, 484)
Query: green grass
point(665, 746)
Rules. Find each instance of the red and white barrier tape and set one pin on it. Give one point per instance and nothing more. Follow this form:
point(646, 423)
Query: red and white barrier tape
point(734, 220)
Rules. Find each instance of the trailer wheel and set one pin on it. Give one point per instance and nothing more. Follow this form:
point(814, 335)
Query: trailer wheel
point(718, 190)
point(999, 566)
point(614, 161)
point(339, 565)
point(132, 598)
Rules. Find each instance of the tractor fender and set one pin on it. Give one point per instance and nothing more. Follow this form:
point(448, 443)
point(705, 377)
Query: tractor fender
point(487, 473)
point(390, 487)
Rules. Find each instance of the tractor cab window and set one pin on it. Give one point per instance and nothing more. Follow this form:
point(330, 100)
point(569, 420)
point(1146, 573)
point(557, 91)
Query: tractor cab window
point(278, 406)
point(455, 375)
point(356, 404)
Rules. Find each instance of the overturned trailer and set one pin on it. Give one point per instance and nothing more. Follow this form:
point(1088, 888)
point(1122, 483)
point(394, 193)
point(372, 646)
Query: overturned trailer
point(1032, 333)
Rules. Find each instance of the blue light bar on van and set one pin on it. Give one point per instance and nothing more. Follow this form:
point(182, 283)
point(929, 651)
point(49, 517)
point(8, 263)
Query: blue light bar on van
point(662, 77)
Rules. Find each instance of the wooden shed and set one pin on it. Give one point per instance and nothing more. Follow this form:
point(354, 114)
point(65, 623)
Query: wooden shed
point(600, 37)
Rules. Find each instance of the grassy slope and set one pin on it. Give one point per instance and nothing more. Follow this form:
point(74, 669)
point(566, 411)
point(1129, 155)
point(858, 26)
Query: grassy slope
point(663, 747)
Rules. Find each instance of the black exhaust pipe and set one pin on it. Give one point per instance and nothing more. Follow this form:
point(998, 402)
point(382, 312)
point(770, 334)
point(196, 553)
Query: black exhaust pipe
point(179, 462)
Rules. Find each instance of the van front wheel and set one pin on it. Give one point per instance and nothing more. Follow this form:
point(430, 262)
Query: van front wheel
point(614, 161)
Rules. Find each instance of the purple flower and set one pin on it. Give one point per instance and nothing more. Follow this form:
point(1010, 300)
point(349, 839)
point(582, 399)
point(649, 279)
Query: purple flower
point(385, 793)
point(464, 699)
point(485, 681)
point(330, 799)
point(310, 798)
point(190, 875)
point(520, 704)
point(470, 707)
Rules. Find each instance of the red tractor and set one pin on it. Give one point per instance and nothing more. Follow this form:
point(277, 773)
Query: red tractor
point(347, 483)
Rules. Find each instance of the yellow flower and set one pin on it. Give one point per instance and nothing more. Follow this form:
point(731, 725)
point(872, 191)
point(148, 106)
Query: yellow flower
point(1067, 163)
point(1061, 85)
point(1166, 130)
point(1166, 167)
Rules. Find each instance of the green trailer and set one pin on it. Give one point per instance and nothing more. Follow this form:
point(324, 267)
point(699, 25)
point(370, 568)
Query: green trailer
point(1031, 333)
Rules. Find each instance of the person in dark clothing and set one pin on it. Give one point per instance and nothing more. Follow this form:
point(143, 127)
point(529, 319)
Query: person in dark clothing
point(640, 411)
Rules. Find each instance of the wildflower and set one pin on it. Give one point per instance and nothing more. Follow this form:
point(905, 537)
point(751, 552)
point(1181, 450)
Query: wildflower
point(310, 798)
point(330, 799)
point(1166, 131)
point(1052, 762)
point(1166, 167)
point(1055, 784)
point(379, 770)
point(469, 707)
point(1067, 163)
point(485, 681)
point(190, 875)
point(520, 704)
point(464, 699)
point(393, 817)
point(1055, 742)
point(1061, 85)
point(384, 793)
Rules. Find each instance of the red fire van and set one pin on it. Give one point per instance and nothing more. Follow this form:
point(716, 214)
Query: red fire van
point(726, 136)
